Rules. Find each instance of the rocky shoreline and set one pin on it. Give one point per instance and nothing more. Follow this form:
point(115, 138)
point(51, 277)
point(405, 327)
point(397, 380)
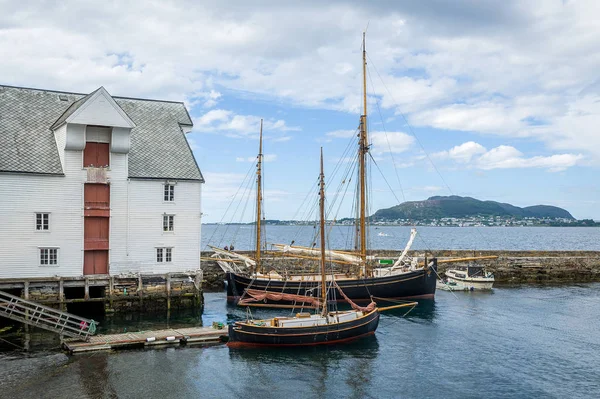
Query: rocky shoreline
point(511, 267)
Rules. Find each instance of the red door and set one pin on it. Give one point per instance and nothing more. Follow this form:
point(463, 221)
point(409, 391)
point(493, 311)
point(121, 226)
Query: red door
point(95, 262)
point(96, 233)
point(96, 155)
point(96, 228)
point(96, 196)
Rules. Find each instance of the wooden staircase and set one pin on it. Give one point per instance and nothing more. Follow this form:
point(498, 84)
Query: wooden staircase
point(34, 314)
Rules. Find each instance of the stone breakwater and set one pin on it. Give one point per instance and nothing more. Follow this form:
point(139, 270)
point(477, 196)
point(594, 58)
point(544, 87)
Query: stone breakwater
point(511, 267)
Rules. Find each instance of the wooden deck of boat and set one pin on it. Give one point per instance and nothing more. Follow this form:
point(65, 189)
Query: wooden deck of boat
point(179, 336)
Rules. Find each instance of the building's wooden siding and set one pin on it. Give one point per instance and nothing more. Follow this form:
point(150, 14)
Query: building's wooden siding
point(22, 196)
point(137, 253)
point(136, 209)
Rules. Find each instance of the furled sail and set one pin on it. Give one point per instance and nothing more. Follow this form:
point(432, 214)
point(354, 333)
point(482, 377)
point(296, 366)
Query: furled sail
point(330, 254)
point(229, 256)
point(258, 295)
point(413, 234)
point(370, 307)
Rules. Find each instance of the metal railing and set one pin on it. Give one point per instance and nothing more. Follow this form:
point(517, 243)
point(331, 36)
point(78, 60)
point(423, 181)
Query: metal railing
point(34, 314)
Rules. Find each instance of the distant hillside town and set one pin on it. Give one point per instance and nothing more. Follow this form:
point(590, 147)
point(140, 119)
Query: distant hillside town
point(455, 211)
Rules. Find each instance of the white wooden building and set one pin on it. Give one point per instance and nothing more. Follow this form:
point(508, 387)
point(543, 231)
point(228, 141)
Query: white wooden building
point(95, 185)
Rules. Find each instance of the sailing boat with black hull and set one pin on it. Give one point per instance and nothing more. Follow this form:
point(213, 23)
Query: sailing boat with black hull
point(324, 327)
point(399, 278)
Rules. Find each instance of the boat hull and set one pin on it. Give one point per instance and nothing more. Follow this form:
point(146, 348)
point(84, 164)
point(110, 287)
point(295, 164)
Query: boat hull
point(416, 284)
point(469, 285)
point(243, 334)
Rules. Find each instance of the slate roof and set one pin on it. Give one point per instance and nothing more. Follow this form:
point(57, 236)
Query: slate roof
point(74, 107)
point(159, 149)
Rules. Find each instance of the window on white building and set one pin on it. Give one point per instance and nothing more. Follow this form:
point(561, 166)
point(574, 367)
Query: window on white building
point(169, 194)
point(168, 222)
point(42, 221)
point(164, 255)
point(48, 256)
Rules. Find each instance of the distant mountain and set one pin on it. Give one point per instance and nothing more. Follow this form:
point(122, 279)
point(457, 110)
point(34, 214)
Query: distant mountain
point(459, 207)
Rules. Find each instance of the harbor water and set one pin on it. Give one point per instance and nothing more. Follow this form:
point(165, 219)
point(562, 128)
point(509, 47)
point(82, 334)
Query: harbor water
point(519, 342)
point(428, 237)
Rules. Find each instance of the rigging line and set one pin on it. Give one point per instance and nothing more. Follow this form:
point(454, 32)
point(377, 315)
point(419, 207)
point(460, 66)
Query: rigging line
point(417, 138)
point(344, 176)
point(386, 137)
point(347, 186)
point(410, 127)
point(249, 190)
point(227, 210)
point(340, 192)
point(345, 155)
point(307, 208)
point(384, 179)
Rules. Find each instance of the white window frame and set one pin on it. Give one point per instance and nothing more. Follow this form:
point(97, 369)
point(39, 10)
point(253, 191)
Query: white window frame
point(169, 193)
point(165, 253)
point(169, 225)
point(41, 264)
point(35, 222)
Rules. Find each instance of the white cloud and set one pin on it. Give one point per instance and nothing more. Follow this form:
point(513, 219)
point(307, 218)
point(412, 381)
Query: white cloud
point(462, 153)
point(477, 156)
point(342, 133)
point(237, 126)
point(516, 69)
point(507, 157)
point(396, 142)
point(207, 99)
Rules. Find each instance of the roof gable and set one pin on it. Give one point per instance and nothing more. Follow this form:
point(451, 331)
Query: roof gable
point(159, 148)
point(97, 108)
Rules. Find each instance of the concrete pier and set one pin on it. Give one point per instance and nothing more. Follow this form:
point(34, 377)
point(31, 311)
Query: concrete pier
point(511, 267)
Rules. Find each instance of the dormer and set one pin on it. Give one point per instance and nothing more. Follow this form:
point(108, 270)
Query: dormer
point(80, 122)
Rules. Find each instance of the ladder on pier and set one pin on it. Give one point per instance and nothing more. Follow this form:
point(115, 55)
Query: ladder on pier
point(34, 314)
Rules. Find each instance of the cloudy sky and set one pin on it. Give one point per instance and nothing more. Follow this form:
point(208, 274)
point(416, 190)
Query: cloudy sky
point(498, 100)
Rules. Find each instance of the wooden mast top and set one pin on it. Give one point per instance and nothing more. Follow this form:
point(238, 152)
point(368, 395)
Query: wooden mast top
point(322, 226)
point(259, 198)
point(362, 158)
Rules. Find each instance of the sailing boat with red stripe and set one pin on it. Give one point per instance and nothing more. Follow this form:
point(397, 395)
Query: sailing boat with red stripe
point(323, 327)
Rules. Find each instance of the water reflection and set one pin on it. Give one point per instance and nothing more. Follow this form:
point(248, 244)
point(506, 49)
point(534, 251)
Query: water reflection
point(317, 370)
point(425, 310)
point(94, 377)
point(123, 322)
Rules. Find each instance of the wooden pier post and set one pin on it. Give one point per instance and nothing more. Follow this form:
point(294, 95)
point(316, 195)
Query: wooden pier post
point(111, 287)
point(86, 294)
point(140, 290)
point(168, 288)
point(61, 294)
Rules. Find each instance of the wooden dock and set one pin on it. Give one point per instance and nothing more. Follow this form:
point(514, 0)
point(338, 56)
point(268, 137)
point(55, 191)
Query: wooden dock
point(143, 339)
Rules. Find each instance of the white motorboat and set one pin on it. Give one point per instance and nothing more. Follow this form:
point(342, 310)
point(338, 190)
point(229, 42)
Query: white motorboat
point(467, 278)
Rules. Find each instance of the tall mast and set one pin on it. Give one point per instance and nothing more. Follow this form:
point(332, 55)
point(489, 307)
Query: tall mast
point(322, 216)
point(362, 158)
point(259, 198)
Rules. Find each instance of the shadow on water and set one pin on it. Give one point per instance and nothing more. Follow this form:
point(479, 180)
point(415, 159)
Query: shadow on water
point(95, 377)
point(364, 348)
point(348, 367)
point(118, 323)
